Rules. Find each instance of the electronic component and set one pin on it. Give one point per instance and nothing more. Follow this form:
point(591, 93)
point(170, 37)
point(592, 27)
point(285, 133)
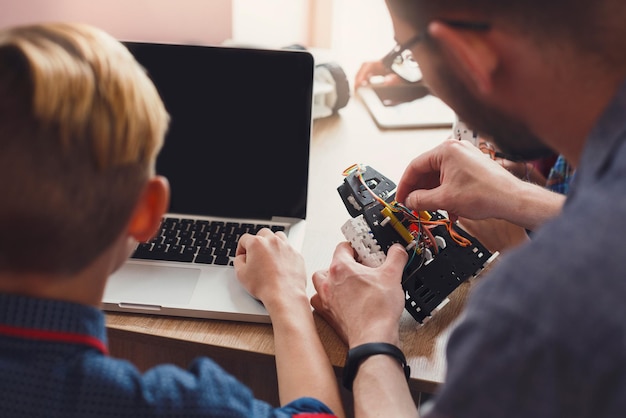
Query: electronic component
point(461, 131)
point(441, 254)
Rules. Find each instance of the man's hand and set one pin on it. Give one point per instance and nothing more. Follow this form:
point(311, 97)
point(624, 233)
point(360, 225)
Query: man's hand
point(362, 304)
point(458, 178)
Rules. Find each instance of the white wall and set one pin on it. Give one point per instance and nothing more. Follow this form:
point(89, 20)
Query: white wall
point(271, 23)
point(361, 31)
point(352, 30)
point(196, 21)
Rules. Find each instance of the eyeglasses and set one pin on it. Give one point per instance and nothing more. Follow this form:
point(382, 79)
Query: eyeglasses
point(400, 58)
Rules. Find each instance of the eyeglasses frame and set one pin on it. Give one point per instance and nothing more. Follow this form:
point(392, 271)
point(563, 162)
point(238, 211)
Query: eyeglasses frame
point(399, 48)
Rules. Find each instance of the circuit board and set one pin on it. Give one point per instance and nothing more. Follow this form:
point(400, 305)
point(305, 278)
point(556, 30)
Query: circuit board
point(441, 254)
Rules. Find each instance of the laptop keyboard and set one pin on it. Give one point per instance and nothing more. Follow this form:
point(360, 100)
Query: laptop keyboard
point(197, 241)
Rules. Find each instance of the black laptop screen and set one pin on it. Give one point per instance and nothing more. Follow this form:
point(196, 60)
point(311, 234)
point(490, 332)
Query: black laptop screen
point(239, 137)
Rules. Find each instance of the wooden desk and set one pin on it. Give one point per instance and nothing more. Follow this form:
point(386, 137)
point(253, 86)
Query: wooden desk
point(246, 350)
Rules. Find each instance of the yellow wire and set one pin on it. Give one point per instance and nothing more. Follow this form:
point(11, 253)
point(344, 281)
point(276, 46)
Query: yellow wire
point(398, 207)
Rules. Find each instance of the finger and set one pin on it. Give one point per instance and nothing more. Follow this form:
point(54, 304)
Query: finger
point(316, 302)
point(393, 80)
point(318, 278)
point(265, 232)
point(239, 263)
point(242, 244)
point(282, 235)
point(367, 70)
point(396, 257)
point(344, 251)
point(421, 173)
point(361, 77)
point(427, 199)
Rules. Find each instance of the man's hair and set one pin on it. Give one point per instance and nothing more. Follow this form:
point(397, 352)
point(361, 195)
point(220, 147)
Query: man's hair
point(80, 127)
point(595, 27)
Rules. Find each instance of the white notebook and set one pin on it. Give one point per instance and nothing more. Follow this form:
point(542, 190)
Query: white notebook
point(398, 107)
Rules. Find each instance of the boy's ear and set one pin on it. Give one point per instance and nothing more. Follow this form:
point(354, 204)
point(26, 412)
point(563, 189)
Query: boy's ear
point(151, 206)
point(472, 52)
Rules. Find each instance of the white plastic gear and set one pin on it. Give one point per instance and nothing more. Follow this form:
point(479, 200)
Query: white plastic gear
point(360, 236)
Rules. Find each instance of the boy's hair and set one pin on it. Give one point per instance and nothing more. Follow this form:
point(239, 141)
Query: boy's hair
point(80, 127)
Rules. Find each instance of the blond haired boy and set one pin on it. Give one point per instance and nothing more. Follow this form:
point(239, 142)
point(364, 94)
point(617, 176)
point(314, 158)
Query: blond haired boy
point(81, 125)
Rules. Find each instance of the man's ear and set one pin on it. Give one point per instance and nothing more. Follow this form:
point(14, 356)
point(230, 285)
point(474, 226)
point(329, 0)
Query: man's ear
point(149, 210)
point(472, 52)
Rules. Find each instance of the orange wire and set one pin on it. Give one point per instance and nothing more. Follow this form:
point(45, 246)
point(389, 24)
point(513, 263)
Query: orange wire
point(459, 239)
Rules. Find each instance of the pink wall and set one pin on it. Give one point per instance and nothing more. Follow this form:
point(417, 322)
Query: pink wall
point(192, 21)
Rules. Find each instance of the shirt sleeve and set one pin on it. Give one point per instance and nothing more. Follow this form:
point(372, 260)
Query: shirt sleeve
point(308, 408)
point(206, 390)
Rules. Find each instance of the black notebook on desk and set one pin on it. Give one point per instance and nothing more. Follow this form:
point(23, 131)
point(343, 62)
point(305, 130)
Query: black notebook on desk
point(237, 159)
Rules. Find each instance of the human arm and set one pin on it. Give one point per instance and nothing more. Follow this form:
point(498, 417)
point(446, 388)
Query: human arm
point(495, 234)
point(459, 178)
point(364, 305)
point(273, 271)
point(525, 170)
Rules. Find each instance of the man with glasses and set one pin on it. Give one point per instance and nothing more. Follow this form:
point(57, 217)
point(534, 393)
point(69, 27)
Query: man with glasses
point(543, 333)
point(399, 61)
point(398, 71)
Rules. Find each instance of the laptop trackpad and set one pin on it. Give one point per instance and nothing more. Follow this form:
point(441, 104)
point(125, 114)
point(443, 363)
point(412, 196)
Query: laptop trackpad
point(154, 285)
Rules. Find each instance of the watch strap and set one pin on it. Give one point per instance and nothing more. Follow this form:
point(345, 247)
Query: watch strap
point(359, 353)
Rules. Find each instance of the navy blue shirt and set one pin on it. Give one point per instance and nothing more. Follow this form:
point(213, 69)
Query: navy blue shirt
point(544, 332)
point(54, 363)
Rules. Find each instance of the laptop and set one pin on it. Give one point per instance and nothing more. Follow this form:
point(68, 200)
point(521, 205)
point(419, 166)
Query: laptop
point(405, 107)
point(237, 159)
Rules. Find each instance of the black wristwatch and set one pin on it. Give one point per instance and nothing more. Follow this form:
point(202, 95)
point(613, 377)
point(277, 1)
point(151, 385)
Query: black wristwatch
point(359, 353)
